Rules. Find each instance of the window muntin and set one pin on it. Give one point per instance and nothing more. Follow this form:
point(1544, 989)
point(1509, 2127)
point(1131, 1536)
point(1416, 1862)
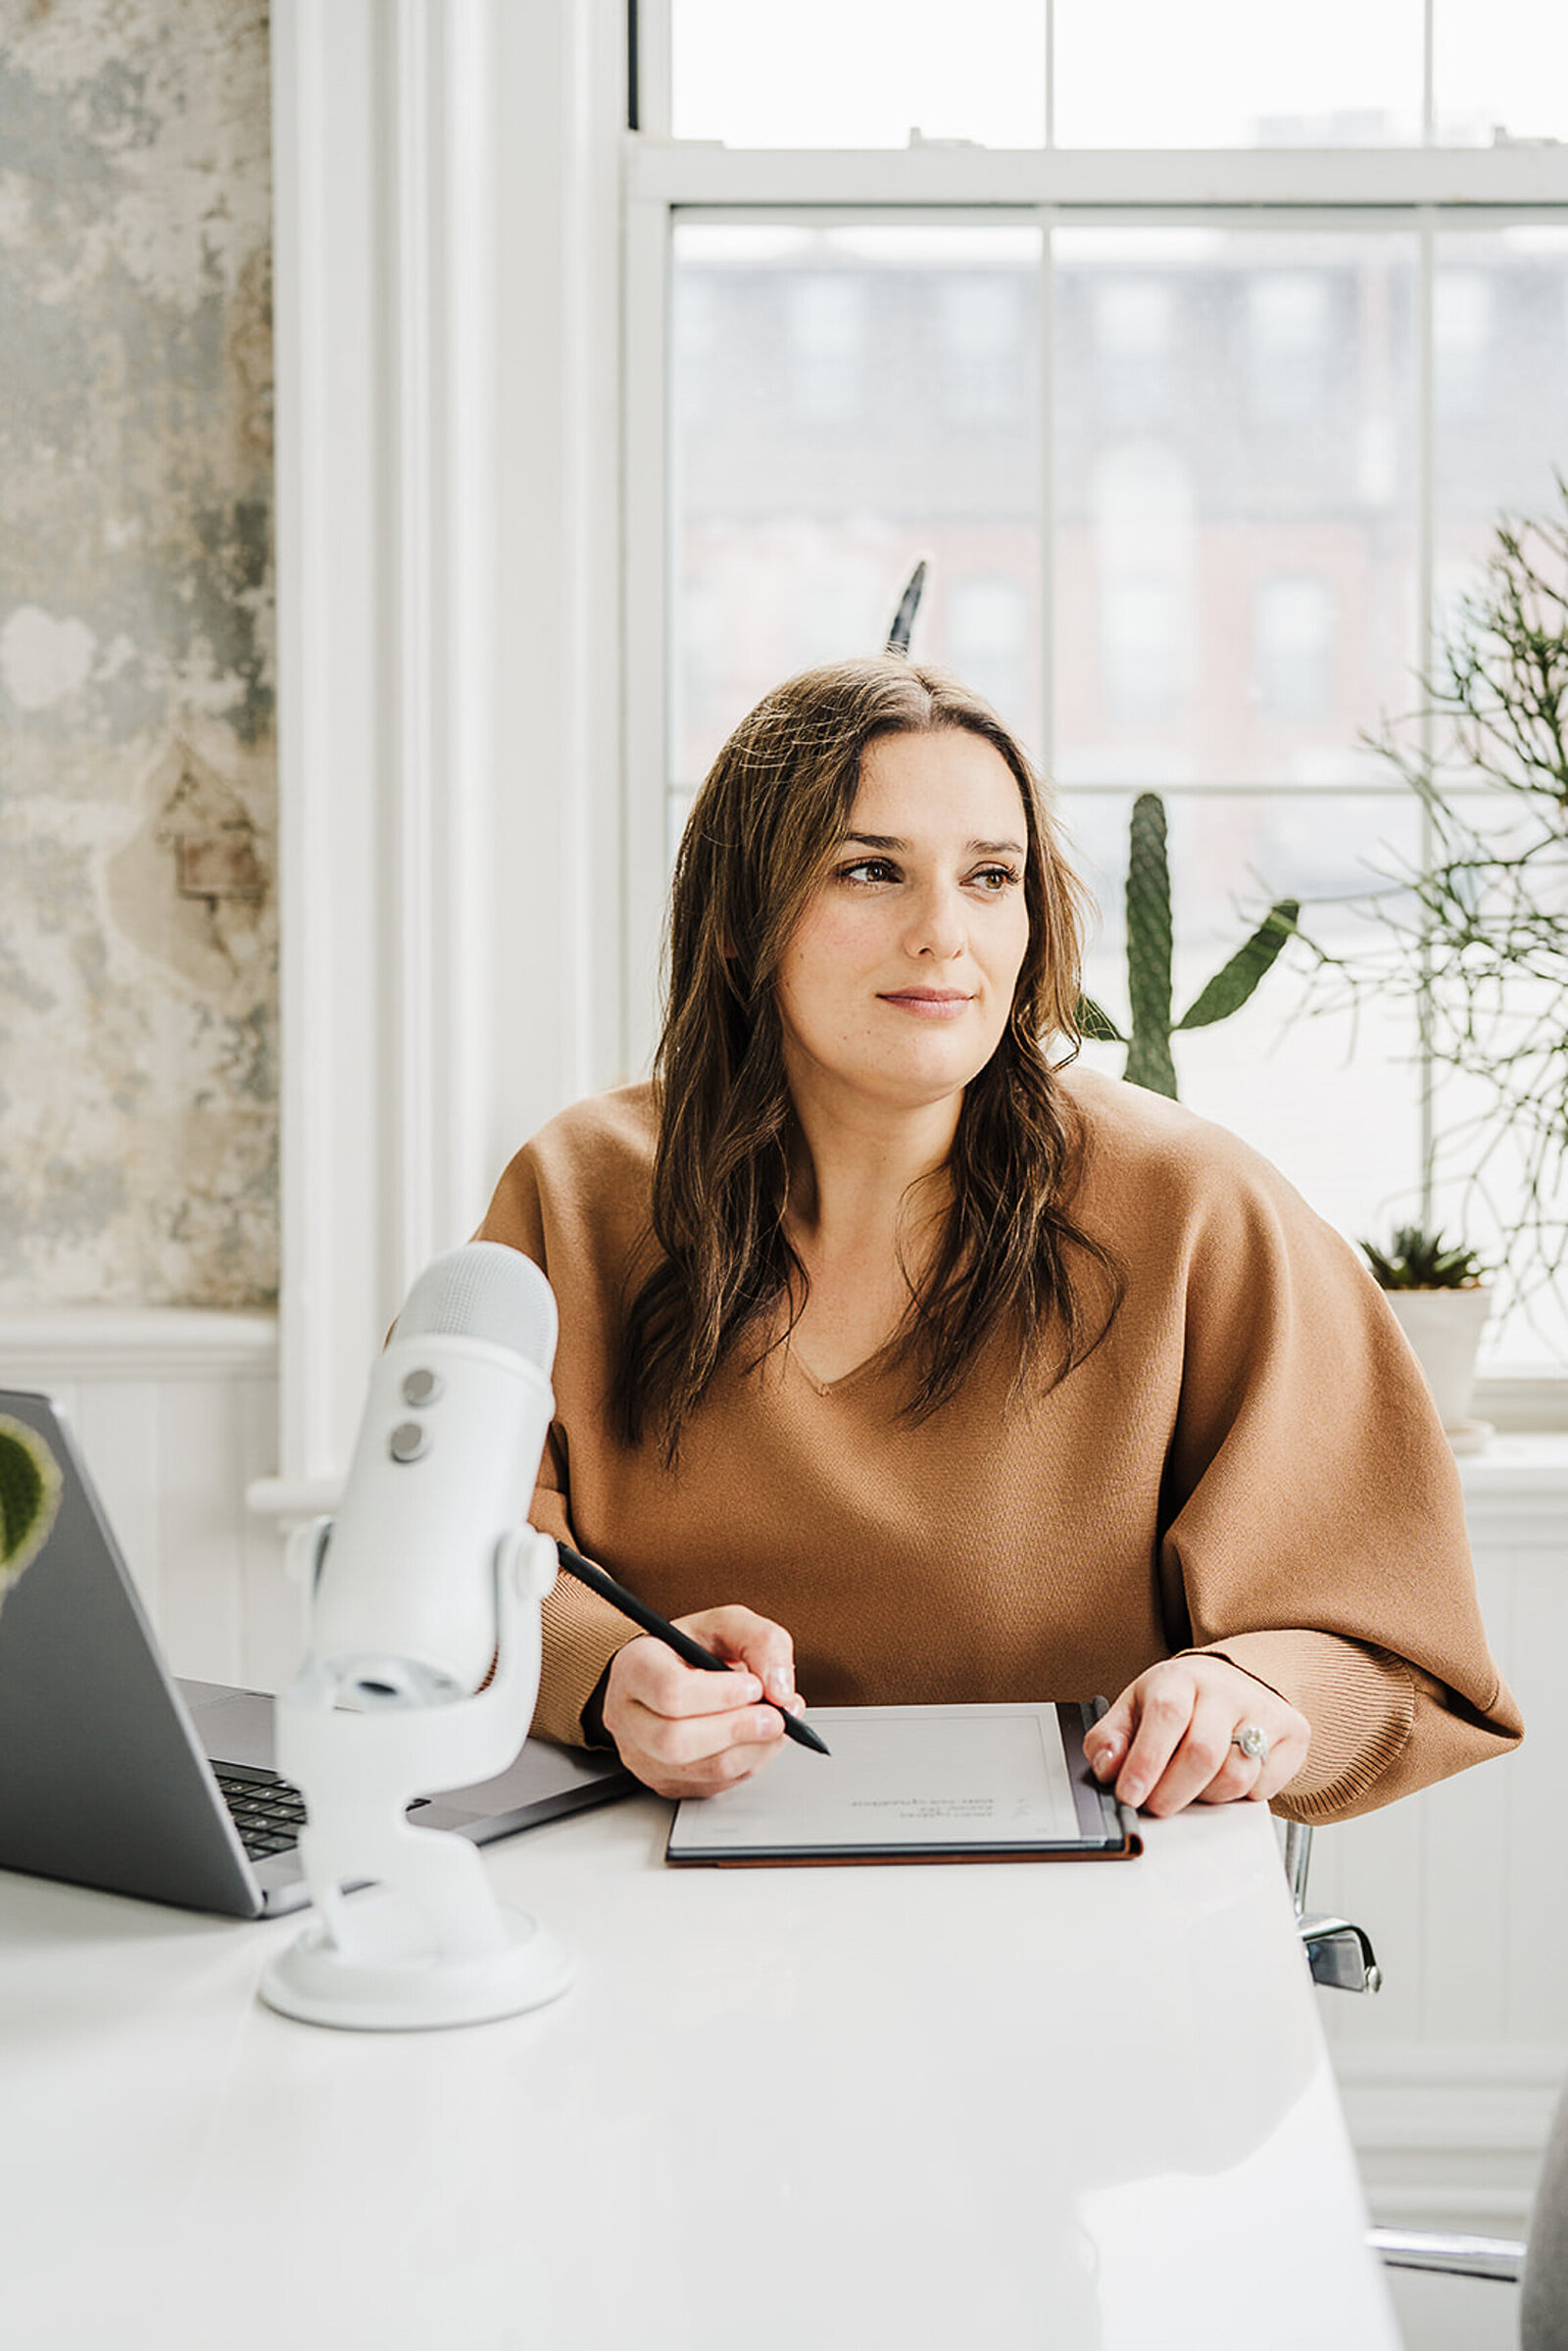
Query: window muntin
point(1143, 75)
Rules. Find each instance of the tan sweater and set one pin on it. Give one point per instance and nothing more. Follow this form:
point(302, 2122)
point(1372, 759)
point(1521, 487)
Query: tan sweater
point(1249, 1465)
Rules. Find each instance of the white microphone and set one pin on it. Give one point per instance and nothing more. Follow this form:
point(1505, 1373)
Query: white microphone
point(444, 1468)
point(430, 1578)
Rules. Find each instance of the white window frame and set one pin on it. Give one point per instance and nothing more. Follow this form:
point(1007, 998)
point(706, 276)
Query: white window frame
point(446, 236)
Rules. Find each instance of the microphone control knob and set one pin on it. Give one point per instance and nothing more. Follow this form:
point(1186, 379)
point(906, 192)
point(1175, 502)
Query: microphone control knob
point(408, 1440)
point(421, 1388)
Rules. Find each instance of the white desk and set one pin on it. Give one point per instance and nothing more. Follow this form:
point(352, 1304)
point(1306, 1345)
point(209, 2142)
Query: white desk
point(1081, 2107)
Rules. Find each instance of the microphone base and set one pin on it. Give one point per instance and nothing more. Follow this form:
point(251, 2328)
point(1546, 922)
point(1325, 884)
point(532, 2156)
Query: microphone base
point(394, 1984)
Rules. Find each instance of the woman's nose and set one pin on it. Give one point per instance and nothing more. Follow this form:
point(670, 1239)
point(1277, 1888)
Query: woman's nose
point(937, 926)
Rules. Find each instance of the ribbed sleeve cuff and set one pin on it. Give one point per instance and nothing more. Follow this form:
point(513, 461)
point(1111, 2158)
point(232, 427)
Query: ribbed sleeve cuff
point(583, 1636)
point(1360, 1700)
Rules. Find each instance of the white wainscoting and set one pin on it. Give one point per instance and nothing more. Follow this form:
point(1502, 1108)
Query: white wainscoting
point(175, 1413)
point(1451, 2072)
point(1448, 2075)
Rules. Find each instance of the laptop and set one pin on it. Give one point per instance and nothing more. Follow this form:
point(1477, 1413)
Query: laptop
point(115, 1775)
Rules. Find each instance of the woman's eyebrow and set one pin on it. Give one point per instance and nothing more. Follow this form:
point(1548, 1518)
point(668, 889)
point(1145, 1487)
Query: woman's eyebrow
point(982, 849)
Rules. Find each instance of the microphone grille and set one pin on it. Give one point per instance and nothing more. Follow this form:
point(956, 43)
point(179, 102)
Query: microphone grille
point(485, 1290)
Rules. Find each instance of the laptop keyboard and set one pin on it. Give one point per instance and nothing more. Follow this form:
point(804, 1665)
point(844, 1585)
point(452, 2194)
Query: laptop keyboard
point(269, 1812)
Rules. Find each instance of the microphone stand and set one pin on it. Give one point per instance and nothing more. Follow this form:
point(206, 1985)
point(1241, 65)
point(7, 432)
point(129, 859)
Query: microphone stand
point(429, 1944)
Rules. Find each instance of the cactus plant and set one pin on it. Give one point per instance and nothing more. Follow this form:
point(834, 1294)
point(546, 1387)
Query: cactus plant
point(1149, 1060)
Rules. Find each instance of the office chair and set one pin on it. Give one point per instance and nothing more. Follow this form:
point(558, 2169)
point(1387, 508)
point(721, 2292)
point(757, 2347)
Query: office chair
point(1339, 1952)
point(1540, 2264)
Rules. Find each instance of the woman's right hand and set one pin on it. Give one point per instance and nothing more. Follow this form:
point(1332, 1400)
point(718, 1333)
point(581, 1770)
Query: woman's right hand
point(686, 1733)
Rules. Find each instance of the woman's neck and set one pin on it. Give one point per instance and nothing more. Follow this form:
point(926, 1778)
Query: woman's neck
point(859, 1171)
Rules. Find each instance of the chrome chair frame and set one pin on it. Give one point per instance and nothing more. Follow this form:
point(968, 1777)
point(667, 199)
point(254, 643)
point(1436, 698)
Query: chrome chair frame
point(1339, 1952)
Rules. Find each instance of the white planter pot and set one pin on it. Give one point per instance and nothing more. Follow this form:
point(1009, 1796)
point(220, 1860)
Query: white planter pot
point(1445, 1326)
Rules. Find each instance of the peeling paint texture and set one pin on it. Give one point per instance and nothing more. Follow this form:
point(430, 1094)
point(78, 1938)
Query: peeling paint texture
point(138, 926)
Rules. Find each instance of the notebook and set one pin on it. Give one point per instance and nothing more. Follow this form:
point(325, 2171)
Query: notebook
point(109, 1769)
point(920, 1783)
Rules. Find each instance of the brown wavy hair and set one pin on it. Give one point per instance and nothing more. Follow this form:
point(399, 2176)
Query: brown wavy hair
point(761, 836)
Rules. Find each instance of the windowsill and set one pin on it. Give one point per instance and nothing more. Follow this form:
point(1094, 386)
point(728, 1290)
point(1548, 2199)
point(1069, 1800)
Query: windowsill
point(1519, 1462)
point(1523, 1405)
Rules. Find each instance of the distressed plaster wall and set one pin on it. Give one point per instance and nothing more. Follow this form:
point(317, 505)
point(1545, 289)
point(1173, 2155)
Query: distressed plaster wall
point(138, 1098)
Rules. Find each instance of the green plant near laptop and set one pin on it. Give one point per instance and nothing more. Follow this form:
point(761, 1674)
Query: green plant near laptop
point(1150, 941)
point(29, 1496)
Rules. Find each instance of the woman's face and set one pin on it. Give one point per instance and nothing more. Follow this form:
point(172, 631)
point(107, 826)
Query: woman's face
point(899, 975)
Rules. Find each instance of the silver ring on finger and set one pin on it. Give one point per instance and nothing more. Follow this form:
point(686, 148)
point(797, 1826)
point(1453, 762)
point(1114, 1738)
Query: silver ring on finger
point(1253, 1740)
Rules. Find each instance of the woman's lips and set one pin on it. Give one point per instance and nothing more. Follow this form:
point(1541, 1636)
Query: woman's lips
point(928, 1003)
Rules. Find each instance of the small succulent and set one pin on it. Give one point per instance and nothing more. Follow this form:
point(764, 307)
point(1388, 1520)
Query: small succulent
point(1422, 1260)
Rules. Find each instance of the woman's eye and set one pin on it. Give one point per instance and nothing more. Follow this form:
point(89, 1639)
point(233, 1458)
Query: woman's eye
point(868, 869)
point(996, 878)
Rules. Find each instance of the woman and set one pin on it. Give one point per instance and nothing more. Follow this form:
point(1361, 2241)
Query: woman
point(956, 1373)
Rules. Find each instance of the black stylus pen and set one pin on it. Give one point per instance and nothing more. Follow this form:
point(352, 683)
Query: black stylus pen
point(692, 1652)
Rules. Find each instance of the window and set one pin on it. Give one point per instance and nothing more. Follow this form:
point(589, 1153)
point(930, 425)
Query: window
point(825, 344)
point(1288, 315)
point(1293, 648)
point(1461, 339)
point(1201, 446)
point(1132, 328)
point(980, 345)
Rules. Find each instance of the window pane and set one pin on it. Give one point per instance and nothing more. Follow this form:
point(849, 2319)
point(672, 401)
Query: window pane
point(1297, 1088)
point(1500, 390)
point(1502, 66)
point(1232, 74)
point(1501, 369)
point(843, 403)
point(854, 74)
point(1236, 485)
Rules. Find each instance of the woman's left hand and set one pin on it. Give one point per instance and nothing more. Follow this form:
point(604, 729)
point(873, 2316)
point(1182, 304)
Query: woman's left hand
point(1168, 1739)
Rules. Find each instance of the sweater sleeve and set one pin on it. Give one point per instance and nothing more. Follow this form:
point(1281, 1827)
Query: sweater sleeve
point(581, 1633)
point(1313, 1524)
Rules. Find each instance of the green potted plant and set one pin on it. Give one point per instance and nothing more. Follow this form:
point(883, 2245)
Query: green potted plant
point(1441, 1297)
point(1472, 931)
point(1150, 1062)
